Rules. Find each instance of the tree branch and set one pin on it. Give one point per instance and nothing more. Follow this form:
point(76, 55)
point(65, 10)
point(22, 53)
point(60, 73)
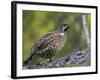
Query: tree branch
point(85, 28)
point(79, 58)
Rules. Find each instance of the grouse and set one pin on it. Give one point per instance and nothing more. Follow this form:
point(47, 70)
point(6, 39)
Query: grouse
point(49, 44)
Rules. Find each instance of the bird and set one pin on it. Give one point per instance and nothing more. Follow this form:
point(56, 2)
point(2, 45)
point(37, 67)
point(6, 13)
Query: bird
point(49, 44)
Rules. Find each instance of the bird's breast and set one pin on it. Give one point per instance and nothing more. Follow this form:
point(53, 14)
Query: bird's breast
point(57, 40)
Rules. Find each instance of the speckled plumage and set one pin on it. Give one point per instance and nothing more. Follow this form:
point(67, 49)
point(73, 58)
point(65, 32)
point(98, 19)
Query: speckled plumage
point(49, 44)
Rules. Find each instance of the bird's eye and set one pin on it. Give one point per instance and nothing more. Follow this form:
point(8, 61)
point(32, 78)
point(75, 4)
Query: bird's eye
point(65, 27)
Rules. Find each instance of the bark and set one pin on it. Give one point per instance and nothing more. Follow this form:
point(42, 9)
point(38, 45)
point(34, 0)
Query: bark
point(85, 29)
point(79, 58)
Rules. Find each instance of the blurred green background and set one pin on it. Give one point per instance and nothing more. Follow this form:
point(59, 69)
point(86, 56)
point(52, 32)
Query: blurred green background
point(38, 23)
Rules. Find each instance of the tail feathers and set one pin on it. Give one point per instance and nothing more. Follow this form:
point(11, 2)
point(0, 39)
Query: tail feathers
point(27, 61)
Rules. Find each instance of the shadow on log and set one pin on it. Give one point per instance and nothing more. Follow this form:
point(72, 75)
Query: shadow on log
point(79, 58)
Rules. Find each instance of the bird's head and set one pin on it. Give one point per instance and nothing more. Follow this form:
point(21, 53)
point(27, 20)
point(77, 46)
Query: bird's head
point(65, 27)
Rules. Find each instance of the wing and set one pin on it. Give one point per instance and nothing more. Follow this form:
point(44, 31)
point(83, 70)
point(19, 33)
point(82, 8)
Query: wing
point(51, 39)
point(42, 43)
